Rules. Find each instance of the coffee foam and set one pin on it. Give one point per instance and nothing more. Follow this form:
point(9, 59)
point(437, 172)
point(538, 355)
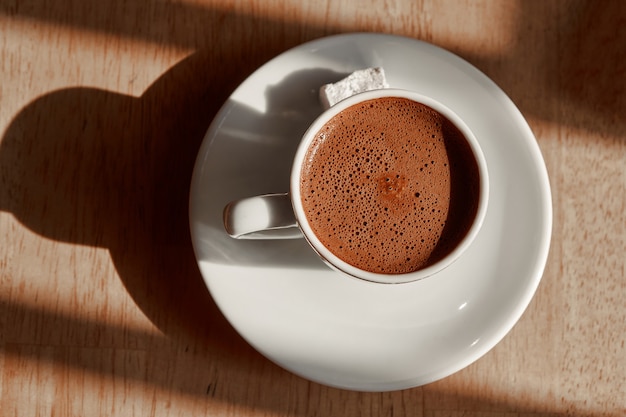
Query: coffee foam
point(376, 185)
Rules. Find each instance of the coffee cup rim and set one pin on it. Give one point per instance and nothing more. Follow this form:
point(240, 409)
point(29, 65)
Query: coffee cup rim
point(333, 260)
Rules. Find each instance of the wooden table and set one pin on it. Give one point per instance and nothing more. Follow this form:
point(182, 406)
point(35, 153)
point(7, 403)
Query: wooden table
point(103, 106)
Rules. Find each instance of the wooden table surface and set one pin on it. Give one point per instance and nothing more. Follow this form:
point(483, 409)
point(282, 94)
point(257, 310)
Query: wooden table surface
point(103, 105)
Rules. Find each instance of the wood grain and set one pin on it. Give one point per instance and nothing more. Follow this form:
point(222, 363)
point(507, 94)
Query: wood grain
point(103, 106)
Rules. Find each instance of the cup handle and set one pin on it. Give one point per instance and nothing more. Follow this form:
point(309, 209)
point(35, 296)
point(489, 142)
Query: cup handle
point(268, 216)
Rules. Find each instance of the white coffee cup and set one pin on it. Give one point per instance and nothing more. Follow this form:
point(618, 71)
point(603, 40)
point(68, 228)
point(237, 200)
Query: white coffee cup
point(282, 216)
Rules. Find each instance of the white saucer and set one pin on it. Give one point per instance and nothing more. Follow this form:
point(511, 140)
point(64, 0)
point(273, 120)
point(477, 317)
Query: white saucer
point(341, 332)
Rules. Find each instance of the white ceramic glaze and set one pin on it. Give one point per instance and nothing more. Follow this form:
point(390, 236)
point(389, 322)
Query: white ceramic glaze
point(349, 333)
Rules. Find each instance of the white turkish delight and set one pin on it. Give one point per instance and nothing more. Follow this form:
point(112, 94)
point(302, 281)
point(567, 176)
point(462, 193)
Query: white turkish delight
point(357, 82)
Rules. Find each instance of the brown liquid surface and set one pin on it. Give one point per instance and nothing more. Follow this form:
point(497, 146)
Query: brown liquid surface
point(390, 186)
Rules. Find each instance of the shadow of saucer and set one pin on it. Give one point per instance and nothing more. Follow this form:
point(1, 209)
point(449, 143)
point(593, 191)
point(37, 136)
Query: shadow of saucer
point(96, 168)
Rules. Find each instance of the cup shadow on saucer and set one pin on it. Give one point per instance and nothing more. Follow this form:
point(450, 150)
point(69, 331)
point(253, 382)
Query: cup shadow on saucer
point(250, 152)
